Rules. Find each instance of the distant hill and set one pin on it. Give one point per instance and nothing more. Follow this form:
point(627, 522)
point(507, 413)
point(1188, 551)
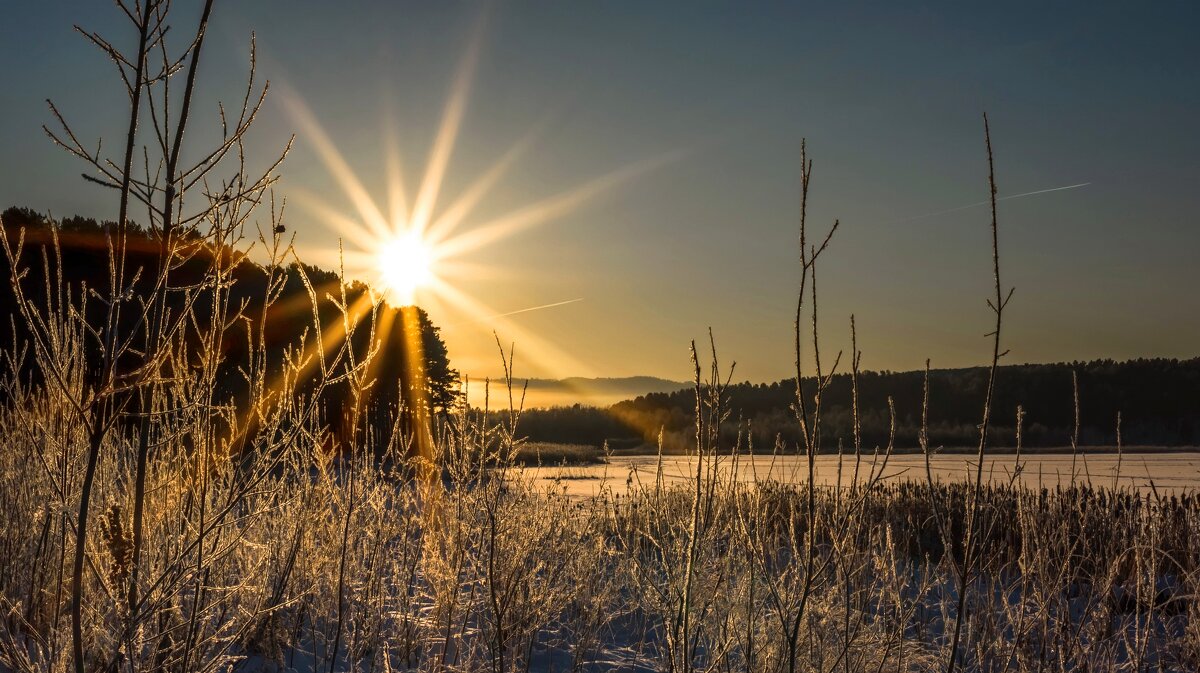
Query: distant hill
point(1158, 399)
point(592, 392)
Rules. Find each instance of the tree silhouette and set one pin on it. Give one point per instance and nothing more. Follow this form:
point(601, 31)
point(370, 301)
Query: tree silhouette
point(395, 384)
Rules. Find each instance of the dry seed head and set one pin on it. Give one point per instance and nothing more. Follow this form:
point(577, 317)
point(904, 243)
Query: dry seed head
point(118, 544)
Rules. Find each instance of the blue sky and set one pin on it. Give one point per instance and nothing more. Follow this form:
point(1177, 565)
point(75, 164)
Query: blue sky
point(717, 96)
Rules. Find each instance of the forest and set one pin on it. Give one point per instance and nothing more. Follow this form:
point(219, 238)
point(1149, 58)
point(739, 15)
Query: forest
point(1158, 401)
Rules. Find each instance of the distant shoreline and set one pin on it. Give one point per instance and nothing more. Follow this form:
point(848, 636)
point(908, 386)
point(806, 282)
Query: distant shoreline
point(1159, 472)
point(960, 450)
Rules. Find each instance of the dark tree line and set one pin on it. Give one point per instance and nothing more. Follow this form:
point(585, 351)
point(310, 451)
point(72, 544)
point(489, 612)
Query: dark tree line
point(1159, 402)
point(1159, 399)
point(83, 252)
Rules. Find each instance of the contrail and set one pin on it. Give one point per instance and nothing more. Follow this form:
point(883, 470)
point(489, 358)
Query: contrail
point(984, 203)
point(524, 310)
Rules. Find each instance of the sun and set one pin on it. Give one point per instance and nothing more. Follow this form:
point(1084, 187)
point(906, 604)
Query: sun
point(419, 248)
point(405, 263)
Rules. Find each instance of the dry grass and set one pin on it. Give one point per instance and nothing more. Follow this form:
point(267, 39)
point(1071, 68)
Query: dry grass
point(494, 574)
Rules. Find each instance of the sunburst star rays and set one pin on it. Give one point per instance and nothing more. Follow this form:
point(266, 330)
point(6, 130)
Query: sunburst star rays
point(416, 250)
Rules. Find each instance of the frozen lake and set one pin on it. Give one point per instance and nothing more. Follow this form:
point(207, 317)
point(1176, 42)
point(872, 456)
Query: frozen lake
point(1166, 472)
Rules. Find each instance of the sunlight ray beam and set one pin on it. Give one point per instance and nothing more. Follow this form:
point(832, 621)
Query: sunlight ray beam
point(416, 384)
point(383, 330)
point(549, 208)
point(462, 207)
point(461, 269)
point(360, 265)
point(325, 258)
point(397, 196)
point(549, 357)
point(300, 303)
point(443, 144)
point(334, 162)
point(335, 220)
point(332, 337)
point(333, 334)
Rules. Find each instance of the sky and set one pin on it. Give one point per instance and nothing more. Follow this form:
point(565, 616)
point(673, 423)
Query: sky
point(659, 146)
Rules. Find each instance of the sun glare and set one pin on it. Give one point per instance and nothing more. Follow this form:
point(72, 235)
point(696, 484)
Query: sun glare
point(416, 246)
point(406, 264)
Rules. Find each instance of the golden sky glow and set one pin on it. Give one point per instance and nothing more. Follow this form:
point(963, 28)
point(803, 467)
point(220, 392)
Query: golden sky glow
point(485, 134)
point(415, 250)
